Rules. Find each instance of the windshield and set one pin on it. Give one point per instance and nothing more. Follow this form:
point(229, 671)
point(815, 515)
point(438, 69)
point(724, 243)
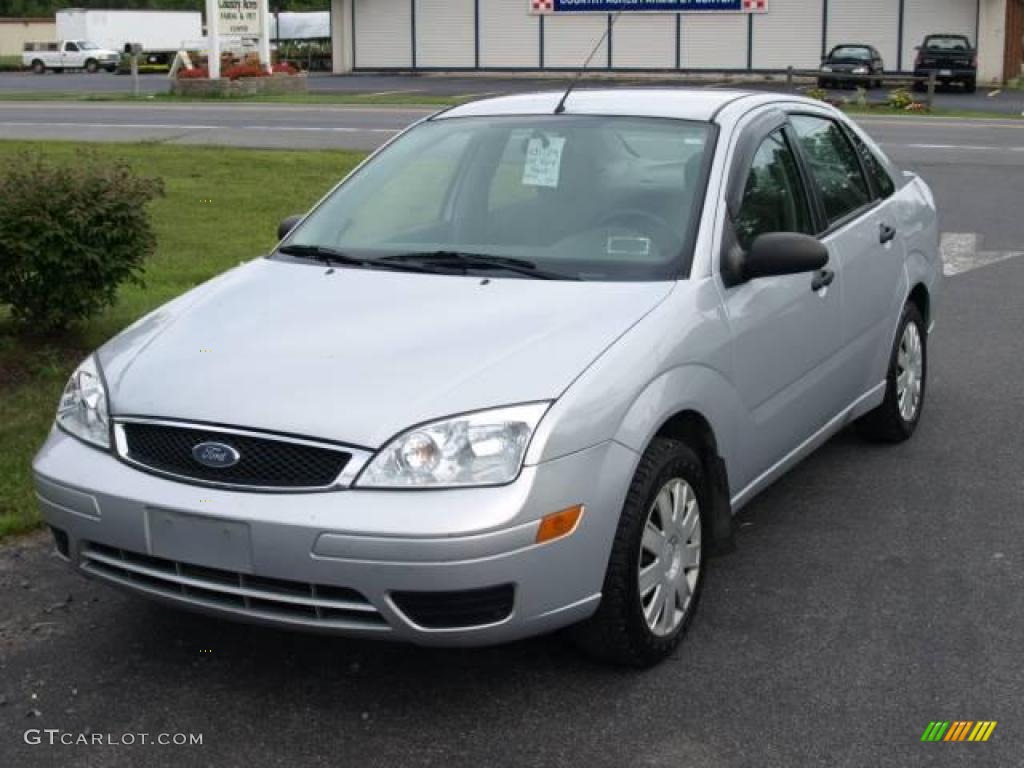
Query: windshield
point(947, 43)
point(852, 52)
point(592, 198)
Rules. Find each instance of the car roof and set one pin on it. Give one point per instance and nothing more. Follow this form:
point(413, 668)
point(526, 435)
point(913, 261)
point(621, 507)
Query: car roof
point(680, 103)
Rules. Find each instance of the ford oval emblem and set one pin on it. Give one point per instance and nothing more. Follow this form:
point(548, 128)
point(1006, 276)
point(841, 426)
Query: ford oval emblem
point(215, 455)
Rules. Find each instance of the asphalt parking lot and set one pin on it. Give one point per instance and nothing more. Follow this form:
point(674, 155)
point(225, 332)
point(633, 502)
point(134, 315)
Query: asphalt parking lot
point(874, 589)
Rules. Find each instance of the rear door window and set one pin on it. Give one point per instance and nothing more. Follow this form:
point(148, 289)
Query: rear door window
point(880, 178)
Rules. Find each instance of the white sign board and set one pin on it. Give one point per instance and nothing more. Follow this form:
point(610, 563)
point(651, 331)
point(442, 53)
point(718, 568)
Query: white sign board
point(240, 17)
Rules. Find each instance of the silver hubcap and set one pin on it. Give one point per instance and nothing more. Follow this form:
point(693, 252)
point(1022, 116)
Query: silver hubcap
point(669, 557)
point(910, 372)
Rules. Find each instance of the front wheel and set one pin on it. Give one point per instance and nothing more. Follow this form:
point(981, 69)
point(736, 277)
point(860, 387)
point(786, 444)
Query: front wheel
point(92, 66)
point(655, 572)
point(897, 417)
point(970, 86)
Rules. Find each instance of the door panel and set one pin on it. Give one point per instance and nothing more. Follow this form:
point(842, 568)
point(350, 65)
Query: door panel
point(786, 336)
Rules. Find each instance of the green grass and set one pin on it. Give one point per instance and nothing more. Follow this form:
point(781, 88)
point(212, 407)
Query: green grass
point(368, 99)
point(222, 206)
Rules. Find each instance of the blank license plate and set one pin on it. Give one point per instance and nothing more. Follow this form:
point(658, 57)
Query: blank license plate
point(200, 540)
point(945, 73)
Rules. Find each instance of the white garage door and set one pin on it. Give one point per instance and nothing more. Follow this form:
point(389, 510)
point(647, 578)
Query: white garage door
point(789, 34)
point(923, 17)
point(383, 33)
point(644, 41)
point(509, 35)
point(714, 41)
point(445, 33)
point(847, 23)
point(569, 39)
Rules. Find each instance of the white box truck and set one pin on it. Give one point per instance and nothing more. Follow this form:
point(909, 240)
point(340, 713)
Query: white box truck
point(162, 33)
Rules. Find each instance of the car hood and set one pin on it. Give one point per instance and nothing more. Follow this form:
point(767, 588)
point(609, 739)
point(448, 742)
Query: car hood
point(359, 355)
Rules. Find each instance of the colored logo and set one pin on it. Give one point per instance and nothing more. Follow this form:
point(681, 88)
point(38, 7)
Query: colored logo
point(215, 455)
point(958, 730)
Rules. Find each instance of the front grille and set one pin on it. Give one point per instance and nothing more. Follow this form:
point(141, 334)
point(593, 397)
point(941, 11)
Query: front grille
point(453, 610)
point(260, 597)
point(264, 462)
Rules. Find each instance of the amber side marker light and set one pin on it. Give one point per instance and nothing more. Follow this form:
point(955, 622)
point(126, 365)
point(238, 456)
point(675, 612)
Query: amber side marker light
point(559, 524)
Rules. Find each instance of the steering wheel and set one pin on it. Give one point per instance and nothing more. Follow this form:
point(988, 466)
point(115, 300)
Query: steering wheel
point(638, 222)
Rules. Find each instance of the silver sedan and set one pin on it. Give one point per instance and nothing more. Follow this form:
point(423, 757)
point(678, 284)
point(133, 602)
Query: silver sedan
point(516, 373)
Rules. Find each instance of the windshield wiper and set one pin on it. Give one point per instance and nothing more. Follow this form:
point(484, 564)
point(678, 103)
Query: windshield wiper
point(477, 261)
point(331, 256)
point(322, 253)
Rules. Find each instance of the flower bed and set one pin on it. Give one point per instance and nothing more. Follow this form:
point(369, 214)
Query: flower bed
point(239, 80)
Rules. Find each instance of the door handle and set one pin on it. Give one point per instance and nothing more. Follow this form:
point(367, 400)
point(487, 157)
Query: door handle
point(822, 279)
point(886, 233)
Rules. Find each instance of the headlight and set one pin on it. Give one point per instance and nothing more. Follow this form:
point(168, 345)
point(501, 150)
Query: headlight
point(482, 448)
point(83, 406)
point(860, 70)
point(826, 68)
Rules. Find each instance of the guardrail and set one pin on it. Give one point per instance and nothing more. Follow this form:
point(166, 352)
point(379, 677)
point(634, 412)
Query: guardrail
point(929, 82)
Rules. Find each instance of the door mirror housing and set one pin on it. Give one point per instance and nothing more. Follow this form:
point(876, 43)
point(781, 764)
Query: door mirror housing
point(775, 253)
point(287, 225)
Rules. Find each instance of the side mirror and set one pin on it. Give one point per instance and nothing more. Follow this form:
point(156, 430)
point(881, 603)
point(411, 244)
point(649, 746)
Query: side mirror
point(775, 253)
point(287, 225)
point(784, 253)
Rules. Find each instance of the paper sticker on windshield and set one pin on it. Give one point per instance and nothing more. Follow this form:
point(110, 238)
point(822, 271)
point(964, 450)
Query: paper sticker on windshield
point(543, 162)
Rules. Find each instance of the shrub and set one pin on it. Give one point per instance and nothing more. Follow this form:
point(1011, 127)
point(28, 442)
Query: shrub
point(900, 98)
point(70, 235)
point(284, 68)
point(818, 93)
point(244, 70)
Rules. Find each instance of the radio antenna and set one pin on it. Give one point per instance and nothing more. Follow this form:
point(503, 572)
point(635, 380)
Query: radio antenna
point(579, 73)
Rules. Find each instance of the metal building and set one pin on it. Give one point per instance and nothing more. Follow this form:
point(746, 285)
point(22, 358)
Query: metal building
point(660, 35)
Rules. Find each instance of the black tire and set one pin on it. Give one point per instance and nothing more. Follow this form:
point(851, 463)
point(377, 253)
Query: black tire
point(38, 67)
point(885, 423)
point(618, 632)
point(970, 86)
point(918, 86)
point(823, 83)
point(92, 66)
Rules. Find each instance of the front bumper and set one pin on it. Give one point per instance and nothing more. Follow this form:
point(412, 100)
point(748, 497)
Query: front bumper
point(954, 74)
point(352, 562)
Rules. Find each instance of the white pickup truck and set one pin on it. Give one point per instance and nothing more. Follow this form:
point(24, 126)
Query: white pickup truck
point(69, 54)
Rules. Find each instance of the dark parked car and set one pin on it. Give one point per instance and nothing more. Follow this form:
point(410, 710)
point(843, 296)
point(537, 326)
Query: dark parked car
point(851, 64)
point(951, 58)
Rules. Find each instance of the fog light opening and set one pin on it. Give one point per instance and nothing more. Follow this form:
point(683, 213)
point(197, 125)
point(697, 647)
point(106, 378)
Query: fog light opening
point(60, 541)
point(559, 524)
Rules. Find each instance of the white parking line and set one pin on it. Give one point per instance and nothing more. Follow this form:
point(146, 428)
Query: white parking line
point(961, 253)
point(972, 147)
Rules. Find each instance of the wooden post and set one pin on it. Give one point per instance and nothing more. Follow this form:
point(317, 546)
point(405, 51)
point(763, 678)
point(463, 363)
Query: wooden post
point(789, 77)
point(135, 71)
point(931, 89)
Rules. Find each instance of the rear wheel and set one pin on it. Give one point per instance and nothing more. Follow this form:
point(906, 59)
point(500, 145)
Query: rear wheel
point(38, 67)
point(655, 572)
point(896, 418)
